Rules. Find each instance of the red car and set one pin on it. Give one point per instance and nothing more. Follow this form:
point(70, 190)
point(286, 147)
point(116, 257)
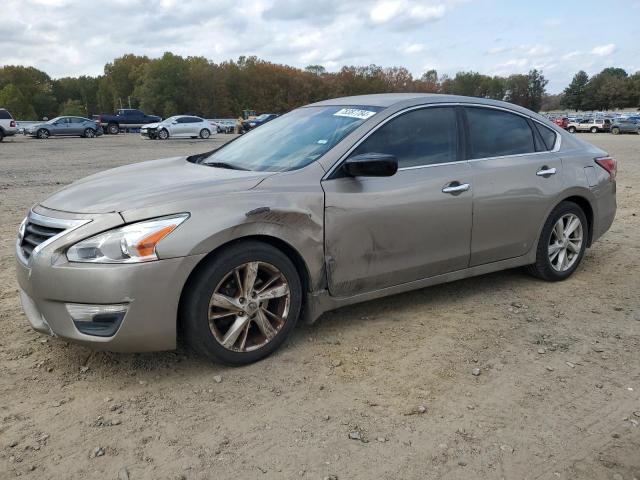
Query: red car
point(562, 122)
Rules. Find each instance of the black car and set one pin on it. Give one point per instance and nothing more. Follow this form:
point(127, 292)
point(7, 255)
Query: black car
point(256, 122)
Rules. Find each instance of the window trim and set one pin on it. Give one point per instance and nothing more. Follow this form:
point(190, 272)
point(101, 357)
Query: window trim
point(462, 135)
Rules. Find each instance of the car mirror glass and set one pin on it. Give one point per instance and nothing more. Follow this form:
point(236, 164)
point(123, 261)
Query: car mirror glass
point(371, 165)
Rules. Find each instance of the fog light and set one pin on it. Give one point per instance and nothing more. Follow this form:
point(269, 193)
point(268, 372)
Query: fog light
point(98, 320)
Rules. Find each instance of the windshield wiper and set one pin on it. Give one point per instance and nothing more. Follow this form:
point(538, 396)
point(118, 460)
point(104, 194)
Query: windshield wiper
point(224, 165)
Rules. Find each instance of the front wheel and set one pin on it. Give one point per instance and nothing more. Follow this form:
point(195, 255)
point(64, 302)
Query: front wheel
point(89, 133)
point(163, 134)
point(615, 130)
point(204, 133)
point(113, 128)
point(242, 304)
point(42, 133)
point(572, 129)
point(562, 243)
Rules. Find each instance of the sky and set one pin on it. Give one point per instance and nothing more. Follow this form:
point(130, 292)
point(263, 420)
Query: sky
point(494, 37)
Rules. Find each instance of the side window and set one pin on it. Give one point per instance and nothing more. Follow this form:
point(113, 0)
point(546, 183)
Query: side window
point(548, 135)
point(183, 120)
point(495, 133)
point(420, 137)
point(4, 115)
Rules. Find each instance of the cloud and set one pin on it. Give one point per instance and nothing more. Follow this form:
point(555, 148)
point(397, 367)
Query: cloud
point(413, 48)
point(604, 50)
point(399, 13)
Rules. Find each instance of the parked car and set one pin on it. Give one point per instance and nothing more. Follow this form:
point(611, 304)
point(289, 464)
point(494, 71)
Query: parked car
point(7, 124)
point(179, 126)
point(589, 125)
point(562, 122)
point(625, 125)
point(224, 126)
point(64, 126)
point(125, 118)
point(335, 203)
point(256, 122)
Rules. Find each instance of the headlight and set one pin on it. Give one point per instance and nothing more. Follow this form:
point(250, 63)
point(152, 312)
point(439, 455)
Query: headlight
point(252, 124)
point(129, 244)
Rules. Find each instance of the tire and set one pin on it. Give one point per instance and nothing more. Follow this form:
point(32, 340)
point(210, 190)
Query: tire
point(204, 133)
point(42, 134)
point(218, 274)
point(572, 129)
point(615, 130)
point(544, 268)
point(89, 133)
point(1, 135)
point(163, 134)
point(113, 129)
point(594, 130)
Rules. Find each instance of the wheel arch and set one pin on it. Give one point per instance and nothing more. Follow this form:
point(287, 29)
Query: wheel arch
point(587, 208)
point(285, 247)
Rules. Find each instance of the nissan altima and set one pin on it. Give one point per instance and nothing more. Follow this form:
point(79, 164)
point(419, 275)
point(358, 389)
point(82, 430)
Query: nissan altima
point(334, 203)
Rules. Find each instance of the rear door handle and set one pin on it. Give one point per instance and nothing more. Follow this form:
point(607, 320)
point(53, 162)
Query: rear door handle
point(455, 188)
point(546, 171)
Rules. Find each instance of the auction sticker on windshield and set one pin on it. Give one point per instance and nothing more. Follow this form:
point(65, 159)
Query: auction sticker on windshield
point(354, 113)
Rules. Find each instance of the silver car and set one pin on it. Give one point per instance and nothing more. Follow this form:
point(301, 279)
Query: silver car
point(179, 126)
point(335, 203)
point(64, 126)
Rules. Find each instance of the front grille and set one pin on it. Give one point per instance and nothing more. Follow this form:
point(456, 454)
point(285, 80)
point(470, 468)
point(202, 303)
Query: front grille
point(35, 234)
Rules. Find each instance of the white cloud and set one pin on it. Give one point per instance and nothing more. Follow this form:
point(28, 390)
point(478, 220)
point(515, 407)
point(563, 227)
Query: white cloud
point(570, 55)
point(537, 50)
point(604, 50)
point(405, 12)
point(413, 48)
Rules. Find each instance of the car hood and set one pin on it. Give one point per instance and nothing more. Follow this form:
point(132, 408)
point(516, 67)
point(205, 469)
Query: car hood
point(150, 183)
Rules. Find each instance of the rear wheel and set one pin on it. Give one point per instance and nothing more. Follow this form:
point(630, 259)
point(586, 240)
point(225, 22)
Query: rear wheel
point(163, 134)
point(204, 133)
point(572, 129)
point(562, 243)
point(242, 305)
point(594, 130)
point(1, 135)
point(42, 133)
point(89, 133)
point(113, 128)
point(615, 130)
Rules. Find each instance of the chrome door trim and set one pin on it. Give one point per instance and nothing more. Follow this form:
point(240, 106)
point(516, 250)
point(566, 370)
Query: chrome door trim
point(344, 156)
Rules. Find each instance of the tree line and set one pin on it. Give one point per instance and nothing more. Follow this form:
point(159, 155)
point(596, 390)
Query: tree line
point(612, 88)
point(173, 84)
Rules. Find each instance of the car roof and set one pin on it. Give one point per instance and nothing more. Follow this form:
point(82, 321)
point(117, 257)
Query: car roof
point(386, 100)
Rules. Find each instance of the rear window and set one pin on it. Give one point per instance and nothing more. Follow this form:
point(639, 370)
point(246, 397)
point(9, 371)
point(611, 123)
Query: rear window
point(4, 115)
point(548, 135)
point(496, 133)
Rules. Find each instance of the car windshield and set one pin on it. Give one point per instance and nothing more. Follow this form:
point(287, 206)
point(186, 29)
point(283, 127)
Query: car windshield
point(263, 116)
point(293, 140)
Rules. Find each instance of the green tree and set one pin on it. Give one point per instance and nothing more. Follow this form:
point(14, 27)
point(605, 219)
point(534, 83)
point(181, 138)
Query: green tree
point(73, 108)
point(574, 96)
point(164, 88)
point(13, 100)
point(34, 84)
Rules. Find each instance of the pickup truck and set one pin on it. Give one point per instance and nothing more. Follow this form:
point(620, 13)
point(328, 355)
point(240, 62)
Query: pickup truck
point(125, 118)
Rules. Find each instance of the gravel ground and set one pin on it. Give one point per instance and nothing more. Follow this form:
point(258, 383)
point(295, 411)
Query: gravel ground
point(501, 376)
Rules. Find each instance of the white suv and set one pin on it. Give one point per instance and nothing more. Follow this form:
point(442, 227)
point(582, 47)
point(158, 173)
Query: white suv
point(7, 124)
point(589, 125)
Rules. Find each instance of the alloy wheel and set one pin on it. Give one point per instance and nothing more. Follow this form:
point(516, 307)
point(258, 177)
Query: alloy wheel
point(249, 306)
point(89, 133)
point(565, 242)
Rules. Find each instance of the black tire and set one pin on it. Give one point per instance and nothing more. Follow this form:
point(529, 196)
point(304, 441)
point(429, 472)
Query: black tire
point(42, 134)
point(1, 135)
point(543, 268)
point(615, 130)
point(113, 129)
point(162, 134)
point(594, 130)
point(89, 133)
point(572, 129)
point(194, 306)
point(204, 133)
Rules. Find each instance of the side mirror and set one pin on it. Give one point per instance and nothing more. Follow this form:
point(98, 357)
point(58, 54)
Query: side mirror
point(371, 165)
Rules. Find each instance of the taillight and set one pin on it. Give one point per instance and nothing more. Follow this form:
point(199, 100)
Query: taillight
point(609, 164)
point(12, 123)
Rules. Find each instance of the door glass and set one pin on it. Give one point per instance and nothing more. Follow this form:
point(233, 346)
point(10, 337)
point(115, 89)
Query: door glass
point(420, 137)
point(495, 133)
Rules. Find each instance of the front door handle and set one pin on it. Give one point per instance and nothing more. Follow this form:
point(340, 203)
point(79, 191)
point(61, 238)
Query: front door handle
point(546, 171)
point(455, 188)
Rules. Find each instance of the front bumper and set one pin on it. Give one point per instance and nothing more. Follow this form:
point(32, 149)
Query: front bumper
point(151, 290)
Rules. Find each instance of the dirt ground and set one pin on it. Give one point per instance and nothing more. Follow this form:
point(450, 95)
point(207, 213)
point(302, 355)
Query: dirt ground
point(382, 390)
